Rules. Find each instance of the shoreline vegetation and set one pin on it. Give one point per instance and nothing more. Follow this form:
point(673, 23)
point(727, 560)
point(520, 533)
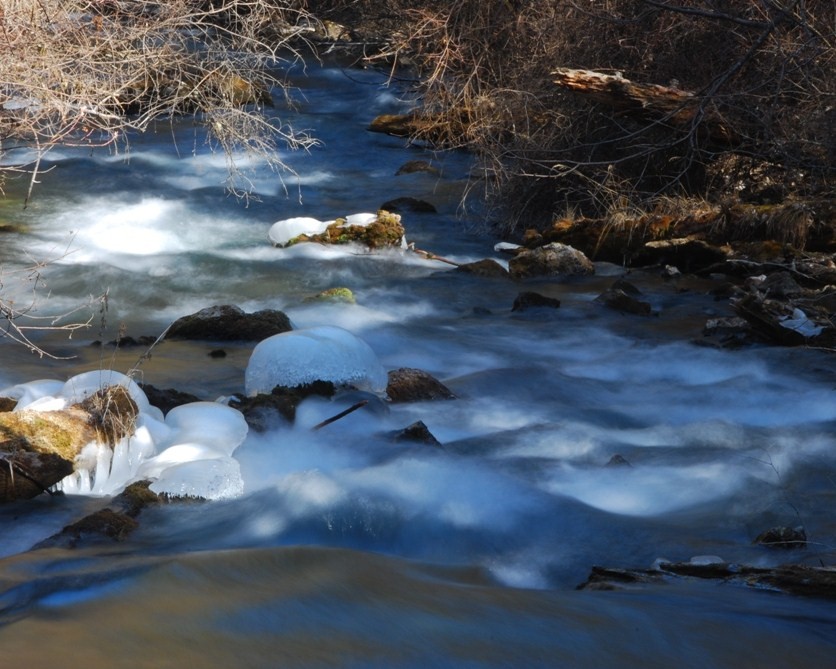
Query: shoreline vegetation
point(688, 134)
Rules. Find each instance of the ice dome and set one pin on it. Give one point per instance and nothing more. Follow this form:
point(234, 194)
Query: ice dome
point(324, 353)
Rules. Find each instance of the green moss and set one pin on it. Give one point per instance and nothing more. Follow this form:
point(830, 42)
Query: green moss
point(340, 294)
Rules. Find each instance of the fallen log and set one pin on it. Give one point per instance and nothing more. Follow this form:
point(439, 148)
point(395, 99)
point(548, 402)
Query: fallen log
point(664, 104)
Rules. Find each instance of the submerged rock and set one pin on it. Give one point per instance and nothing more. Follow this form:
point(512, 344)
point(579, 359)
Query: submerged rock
point(783, 537)
point(339, 294)
point(418, 432)
point(412, 166)
point(531, 300)
point(791, 579)
point(228, 322)
point(282, 401)
point(414, 385)
point(103, 524)
point(553, 259)
point(409, 204)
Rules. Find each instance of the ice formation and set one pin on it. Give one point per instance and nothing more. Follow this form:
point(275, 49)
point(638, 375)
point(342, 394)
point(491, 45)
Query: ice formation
point(188, 452)
point(282, 232)
point(324, 353)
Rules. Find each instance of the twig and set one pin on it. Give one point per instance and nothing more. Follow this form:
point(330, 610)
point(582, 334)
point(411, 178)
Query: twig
point(342, 414)
point(432, 256)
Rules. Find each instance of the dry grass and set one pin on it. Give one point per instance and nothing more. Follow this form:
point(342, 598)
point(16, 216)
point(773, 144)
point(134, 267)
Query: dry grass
point(766, 69)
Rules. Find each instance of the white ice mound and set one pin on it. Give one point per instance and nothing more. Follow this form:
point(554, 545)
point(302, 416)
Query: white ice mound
point(325, 353)
point(282, 232)
point(216, 425)
point(27, 394)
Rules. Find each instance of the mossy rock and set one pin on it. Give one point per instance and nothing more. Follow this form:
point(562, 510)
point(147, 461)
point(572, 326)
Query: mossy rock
point(385, 231)
point(340, 294)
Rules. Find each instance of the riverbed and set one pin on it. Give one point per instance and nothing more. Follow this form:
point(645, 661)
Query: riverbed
point(349, 549)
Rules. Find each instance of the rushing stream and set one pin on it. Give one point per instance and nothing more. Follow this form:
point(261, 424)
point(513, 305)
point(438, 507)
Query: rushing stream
point(347, 549)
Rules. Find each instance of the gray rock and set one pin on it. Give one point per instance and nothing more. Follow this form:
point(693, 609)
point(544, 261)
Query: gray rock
point(229, 323)
point(553, 259)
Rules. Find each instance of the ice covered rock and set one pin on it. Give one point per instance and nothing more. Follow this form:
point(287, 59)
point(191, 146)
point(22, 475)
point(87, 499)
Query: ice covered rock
point(325, 353)
point(82, 386)
point(105, 435)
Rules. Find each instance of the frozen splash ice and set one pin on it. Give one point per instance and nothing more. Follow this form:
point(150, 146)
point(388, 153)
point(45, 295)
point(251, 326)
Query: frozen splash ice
point(324, 353)
point(187, 453)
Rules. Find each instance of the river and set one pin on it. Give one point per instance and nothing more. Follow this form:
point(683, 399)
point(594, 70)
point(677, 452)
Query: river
point(349, 550)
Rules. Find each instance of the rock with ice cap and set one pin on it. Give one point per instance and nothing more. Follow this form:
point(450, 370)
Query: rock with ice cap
point(325, 353)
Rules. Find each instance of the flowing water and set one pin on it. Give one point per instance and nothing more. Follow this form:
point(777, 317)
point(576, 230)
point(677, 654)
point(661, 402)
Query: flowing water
point(349, 549)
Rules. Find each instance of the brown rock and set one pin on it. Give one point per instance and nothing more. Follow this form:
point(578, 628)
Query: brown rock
point(486, 268)
point(414, 385)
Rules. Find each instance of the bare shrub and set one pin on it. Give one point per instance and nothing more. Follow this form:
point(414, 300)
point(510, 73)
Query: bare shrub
point(765, 67)
point(90, 72)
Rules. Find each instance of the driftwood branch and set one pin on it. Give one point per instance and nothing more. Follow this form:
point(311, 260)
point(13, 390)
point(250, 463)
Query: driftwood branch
point(661, 104)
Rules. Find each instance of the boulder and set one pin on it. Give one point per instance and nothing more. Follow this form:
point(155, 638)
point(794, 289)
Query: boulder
point(414, 385)
point(553, 259)
point(229, 323)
